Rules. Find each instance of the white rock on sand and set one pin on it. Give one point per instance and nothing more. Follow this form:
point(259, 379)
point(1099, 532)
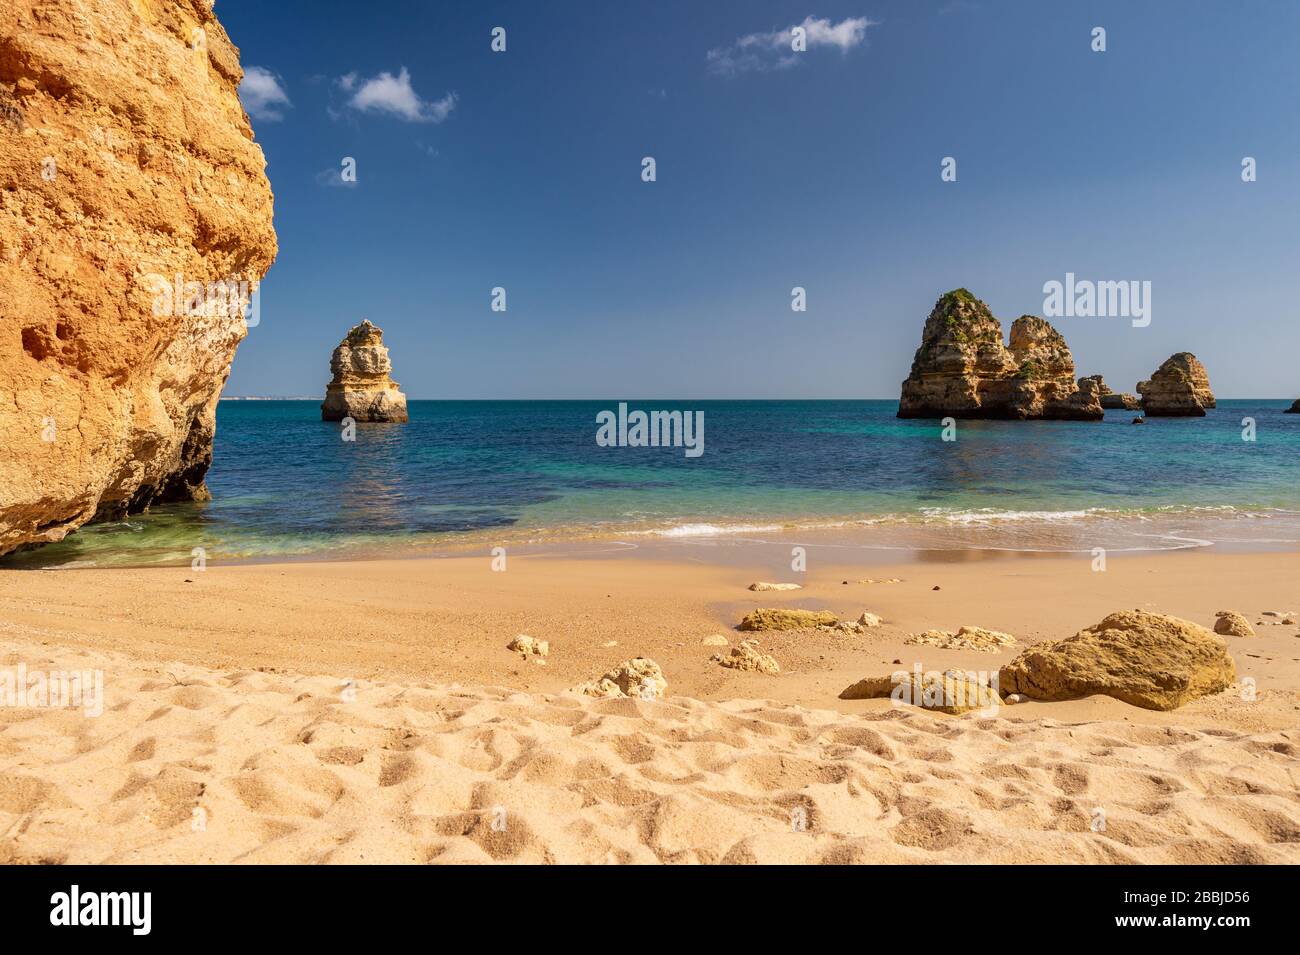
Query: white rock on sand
point(764, 585)
point(967, 638)
point(286, 768)
point(747, 657)
point(527, 646)
point(865, 622)
point(715, 640)
point(639, 677)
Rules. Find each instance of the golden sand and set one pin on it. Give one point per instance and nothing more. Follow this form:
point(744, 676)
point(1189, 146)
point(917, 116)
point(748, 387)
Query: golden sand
point(372, 712)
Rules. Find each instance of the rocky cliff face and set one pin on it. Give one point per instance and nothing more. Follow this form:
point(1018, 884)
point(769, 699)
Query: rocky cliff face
point(135, 218)
point(1295, 408)
point(964, 370)
point(362, 388)
point(1111, 399)
point(1179, 388)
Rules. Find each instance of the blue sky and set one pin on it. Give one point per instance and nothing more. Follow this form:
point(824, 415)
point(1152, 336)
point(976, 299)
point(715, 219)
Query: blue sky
point(522, 170)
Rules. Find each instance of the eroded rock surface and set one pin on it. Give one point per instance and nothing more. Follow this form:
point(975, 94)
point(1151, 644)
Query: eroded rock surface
point(1147, 659)
point(1232, 624)
point(749, 658)
point(135, 222)
point(363, 388)
point(963, 369)
point(770, 618)
point(1112, 399)
point(527, 646)
point(967, 638)
point(952, 691)
point(640, 677)
point(1179, 388)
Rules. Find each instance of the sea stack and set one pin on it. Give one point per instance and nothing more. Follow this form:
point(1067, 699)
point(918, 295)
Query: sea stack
point(1294, 409)
point(1114, 400)
point(1180, 388)
point(963, 369)
point(362, 388)
point(135, 226)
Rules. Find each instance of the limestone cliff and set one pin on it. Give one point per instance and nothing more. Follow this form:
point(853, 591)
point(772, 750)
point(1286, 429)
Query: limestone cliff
point(362, 388)
point(1179, 388)
point(1111, 399)
point(964, 370)
point(128, 173)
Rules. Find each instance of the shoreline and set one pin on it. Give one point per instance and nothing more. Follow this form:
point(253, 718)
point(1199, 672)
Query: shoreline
point(891, 537)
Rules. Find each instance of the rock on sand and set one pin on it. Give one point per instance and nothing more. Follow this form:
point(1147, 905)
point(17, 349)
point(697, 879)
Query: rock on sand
point(1147, 659)
point(779, 619)
point(747, 657)
point(967, 638)
point(1232, 624)
point(638, 677)
point(952, 691)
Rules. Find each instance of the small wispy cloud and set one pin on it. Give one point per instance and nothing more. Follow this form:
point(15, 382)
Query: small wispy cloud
point(263, 94)
point(761, 52)
point(333, 176)
point(394, 96)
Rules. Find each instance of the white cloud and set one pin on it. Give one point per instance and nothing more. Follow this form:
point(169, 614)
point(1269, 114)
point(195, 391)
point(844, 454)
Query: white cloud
point(262, 94)
point(395, 96)
point(333, 176)
point(773, 51)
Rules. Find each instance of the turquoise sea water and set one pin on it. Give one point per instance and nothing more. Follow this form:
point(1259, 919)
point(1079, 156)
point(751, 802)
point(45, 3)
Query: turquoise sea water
point(284, 484)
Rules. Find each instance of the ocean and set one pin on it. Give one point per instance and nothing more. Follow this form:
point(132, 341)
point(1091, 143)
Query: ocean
point(471, 474)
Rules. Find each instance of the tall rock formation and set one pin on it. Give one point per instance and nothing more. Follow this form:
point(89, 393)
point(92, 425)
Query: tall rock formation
point(964, 370)
point(1179, 388)
point(362, 388)
point(135, 220)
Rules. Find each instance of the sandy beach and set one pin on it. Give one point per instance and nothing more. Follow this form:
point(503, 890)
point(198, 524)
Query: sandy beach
point(371, 711)
point(657, 434)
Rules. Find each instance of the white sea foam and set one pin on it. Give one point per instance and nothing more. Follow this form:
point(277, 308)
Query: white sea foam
point(710, 530)
point(989, 515)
